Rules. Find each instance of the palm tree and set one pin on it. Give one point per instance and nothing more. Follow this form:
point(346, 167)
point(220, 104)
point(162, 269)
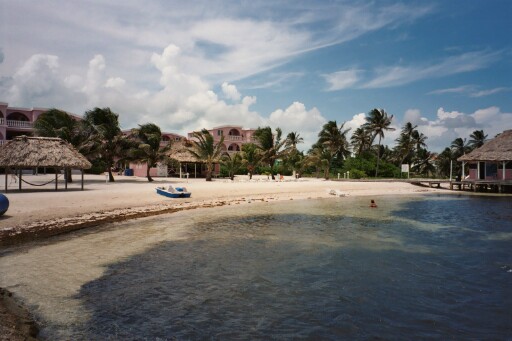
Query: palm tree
point(423, 162)
point(105, 138)
point(419, 140)
point(477, 139)
point(232, 163)
point(291, 151)
point(57, 123)
point(378, 122)
point(444, 162)
point(292, 140)
point(251, 157)
point(319, 157)
point(205, 149)
point(360, 140)
point(334, 140)
point(148, 149)
point(405, 143)
point(270, 144)
point(459, 147)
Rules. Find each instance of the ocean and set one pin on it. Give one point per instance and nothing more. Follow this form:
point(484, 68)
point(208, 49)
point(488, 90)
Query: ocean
point(416, 267)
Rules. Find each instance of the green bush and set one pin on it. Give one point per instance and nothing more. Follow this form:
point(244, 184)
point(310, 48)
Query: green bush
point(98, 167)
point(357, 174)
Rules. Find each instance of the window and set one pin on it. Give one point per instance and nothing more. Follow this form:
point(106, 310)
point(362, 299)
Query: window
point(219, 132)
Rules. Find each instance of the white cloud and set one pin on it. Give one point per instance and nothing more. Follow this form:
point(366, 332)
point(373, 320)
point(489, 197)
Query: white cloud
point(449, 125)
point(115, 82)
point(470, 90)
point(489, 92)
point(342, 79)
point(400, 75)
point(464, 89)
point(230, 91)
point(297, 118)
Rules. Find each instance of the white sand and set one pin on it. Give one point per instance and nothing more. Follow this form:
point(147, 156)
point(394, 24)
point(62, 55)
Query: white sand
point(135, 196)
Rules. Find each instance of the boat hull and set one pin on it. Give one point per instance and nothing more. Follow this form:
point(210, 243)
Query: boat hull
point(173, 195)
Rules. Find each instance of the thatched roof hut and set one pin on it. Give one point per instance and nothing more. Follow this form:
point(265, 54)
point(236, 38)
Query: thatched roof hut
point(179, 152)
point(30, 152)
point(497, 149)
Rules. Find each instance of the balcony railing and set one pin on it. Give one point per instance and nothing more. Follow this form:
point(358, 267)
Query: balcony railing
point(19, 124)
point(234, 138)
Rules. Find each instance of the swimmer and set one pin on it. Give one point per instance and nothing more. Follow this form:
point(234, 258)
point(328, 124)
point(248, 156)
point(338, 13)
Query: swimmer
point(372, 203)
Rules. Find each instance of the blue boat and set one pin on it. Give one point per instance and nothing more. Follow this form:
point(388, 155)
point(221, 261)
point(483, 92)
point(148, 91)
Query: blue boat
point(171, 192)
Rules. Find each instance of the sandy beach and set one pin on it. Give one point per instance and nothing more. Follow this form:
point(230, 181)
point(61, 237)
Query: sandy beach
point(38, 212)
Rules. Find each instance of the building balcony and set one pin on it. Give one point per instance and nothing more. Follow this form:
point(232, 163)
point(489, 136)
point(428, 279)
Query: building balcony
point(19, 124)
point(234, 138)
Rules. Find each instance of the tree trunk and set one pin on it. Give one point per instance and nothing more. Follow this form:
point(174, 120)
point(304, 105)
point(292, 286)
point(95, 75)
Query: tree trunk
point(110, 175)
point(209, 175)
point(148, 175)
point(378, 159)
point(68, 175)
point(326, 173)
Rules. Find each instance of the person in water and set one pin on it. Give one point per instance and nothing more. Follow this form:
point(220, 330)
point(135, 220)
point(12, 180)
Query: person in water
point(372, 203)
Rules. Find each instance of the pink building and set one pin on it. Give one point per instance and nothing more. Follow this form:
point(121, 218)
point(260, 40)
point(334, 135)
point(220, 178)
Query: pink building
point(234, 136)
point(140, 169)
point(17, 121)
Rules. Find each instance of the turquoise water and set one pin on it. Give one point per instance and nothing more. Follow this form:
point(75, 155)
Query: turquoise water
point(425, 267)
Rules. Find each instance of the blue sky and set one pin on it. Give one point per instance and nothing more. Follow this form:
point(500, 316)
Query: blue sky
point(445, 66)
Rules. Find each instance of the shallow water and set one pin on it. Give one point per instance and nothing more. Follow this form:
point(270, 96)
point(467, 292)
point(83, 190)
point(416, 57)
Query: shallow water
point(422, 267)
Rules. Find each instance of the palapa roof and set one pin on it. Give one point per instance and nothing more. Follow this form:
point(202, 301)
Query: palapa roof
point(25, 151)
point(497, 149)
point(179, 152)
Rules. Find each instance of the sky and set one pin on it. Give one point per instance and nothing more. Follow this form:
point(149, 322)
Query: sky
point(445, 66)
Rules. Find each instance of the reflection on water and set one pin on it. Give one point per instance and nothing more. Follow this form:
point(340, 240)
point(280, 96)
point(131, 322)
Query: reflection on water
point(317, 269)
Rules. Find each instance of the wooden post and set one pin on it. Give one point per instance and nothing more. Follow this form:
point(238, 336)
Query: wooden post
point(66, 178)
point(504, 170)
point(82, 179)
point(6, 176)
point(20, 179)
point(56, 170)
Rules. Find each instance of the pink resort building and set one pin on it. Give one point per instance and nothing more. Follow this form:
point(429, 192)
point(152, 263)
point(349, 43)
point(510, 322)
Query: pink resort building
point(234, 136)
point(20, 121)
point(140, 169)
point(17, 121)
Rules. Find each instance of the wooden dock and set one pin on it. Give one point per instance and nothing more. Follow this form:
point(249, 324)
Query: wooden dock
point(482, 185)
point(499, 186)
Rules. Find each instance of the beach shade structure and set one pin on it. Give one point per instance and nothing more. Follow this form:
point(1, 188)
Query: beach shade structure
point(32, 152)
point(492, 161)
point(4, 204)
point(180, 152)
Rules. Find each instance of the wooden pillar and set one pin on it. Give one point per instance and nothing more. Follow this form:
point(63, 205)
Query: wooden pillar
point(195, 170)
point(56, 178)
point(6, 176)
point(82, 179)
point(503, 175)
point(66, 178)
point(20, 179)
point(463, 176)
